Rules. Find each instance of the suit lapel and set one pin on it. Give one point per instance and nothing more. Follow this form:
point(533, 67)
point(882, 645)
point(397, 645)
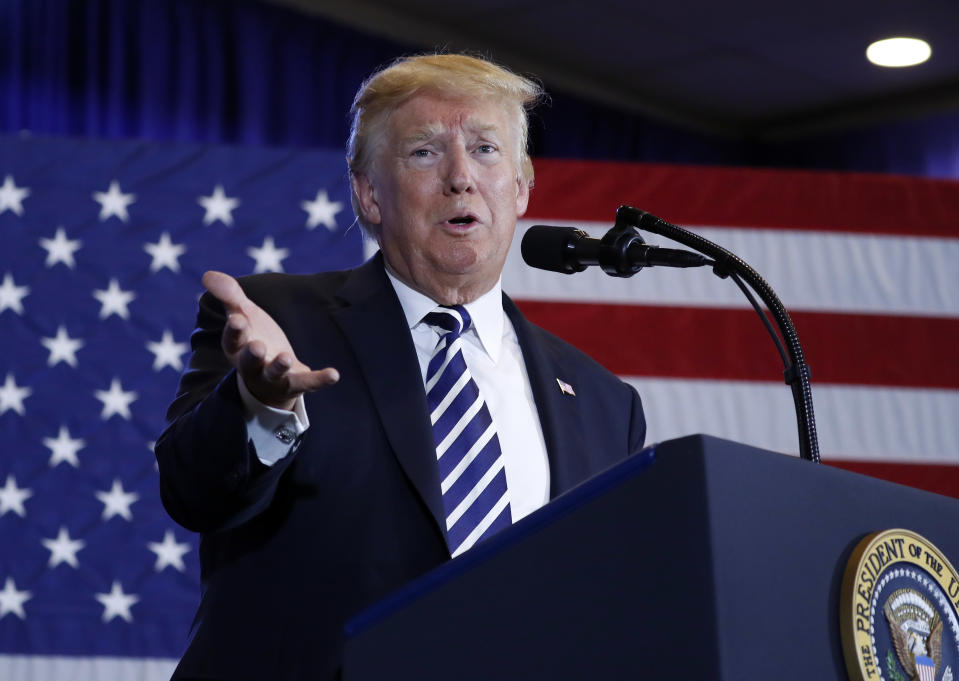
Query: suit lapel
point(558, 412)
point(373, 323)
point(375, 326)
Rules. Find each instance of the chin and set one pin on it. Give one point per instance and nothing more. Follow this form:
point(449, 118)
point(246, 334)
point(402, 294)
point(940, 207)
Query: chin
point(460, 258)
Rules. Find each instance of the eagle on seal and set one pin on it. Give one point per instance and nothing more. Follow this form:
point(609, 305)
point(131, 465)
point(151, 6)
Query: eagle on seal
point(910, 616)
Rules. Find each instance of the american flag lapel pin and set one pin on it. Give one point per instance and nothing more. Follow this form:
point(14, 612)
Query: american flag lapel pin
point(565, 388)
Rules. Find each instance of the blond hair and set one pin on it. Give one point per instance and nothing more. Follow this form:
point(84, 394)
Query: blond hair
point(456, 75)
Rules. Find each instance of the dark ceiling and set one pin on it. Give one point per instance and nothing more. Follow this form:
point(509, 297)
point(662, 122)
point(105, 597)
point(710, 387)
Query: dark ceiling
point(762, 69)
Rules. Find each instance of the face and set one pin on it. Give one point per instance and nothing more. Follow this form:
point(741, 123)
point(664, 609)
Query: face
point(444, 194)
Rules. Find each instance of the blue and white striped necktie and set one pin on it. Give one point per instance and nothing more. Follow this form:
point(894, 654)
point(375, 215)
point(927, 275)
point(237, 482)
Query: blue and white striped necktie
point(473, 479)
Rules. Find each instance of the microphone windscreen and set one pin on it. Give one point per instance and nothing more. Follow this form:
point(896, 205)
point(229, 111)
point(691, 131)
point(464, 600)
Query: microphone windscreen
point(548, 248)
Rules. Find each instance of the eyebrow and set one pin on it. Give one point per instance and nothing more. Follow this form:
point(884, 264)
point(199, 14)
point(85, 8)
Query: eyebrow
point(428, 132)
point(422, 135)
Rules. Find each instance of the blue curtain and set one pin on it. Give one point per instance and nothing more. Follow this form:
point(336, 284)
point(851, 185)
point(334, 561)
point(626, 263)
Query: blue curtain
point(247, 72)
point(926, 146)
point(188, 70)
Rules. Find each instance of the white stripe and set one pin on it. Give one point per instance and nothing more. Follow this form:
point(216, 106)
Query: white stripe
point(828, 271)
point(449, 356)
point(468, 459)
point(474, 493)
point(484, 525)
point(44, 668)
point(457, 316)
point(854, 422)
point(460, 425)
point(450, 396)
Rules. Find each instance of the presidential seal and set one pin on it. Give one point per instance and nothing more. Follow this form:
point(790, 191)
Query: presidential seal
point(899, 614)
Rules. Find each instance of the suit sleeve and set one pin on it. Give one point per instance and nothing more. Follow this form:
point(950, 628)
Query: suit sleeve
point(210, 476)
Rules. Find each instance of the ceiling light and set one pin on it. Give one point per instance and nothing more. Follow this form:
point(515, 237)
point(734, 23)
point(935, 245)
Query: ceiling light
point(898, 52)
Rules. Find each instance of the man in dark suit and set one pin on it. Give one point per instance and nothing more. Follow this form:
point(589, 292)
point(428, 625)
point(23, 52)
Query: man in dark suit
point(319, 491)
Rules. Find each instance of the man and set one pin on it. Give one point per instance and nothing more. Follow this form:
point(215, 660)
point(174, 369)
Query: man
point(320, 491)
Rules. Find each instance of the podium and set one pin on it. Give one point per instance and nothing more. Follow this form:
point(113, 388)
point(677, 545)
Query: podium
point(699, 558)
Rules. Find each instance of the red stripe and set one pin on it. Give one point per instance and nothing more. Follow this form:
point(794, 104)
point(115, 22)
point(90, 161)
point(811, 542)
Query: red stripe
point(739, 197)
point(938, 478)
point(724, 344)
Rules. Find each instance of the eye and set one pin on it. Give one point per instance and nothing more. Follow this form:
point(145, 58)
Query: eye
point(486, 149)
point(421, 153)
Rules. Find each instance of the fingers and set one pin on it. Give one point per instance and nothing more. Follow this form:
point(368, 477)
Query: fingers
point(283, 379)
point(296, 378)
point(250, 361)
point(226, 289)
point(304, 382)
point(278, 368)
point(235, 334)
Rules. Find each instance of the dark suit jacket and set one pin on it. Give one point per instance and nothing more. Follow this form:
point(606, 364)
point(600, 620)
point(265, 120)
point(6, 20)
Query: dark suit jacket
point(289, 552)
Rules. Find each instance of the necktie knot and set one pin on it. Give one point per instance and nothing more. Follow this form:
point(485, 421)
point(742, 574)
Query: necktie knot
point(449, 320)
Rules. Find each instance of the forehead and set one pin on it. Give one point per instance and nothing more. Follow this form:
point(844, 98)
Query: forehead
point(430, 114)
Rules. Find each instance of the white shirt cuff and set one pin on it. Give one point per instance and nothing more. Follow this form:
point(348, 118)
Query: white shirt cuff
point(272, 431)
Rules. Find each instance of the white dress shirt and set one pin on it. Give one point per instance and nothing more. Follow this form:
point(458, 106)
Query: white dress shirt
point(492, 353)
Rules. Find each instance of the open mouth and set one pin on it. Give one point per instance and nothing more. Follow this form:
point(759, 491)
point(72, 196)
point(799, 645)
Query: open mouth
point(464, 220)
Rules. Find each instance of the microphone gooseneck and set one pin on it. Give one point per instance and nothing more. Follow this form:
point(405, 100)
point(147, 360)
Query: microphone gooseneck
point(622, 252)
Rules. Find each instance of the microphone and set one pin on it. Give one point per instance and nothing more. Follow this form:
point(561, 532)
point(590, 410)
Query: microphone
point(620, 253)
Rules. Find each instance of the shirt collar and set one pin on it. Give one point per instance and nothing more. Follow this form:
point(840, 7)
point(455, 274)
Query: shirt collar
point(486, 312)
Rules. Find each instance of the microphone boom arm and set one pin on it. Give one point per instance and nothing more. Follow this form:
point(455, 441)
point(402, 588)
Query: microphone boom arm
point(727, 264)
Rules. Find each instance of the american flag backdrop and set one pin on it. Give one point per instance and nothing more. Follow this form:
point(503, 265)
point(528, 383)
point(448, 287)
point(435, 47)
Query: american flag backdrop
point(867, 265)
point(104, 243)
point(103, 246)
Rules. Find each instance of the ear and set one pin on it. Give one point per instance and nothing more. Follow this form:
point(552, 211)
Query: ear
point(522, 196)
point(366, 198)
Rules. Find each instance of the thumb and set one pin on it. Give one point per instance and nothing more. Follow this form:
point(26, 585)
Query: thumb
point(226, 289)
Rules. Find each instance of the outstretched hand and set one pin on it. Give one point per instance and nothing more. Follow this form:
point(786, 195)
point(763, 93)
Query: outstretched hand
point(259, 350)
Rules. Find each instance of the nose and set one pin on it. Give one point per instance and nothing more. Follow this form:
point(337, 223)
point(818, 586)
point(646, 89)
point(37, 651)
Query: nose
point(459, 176)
